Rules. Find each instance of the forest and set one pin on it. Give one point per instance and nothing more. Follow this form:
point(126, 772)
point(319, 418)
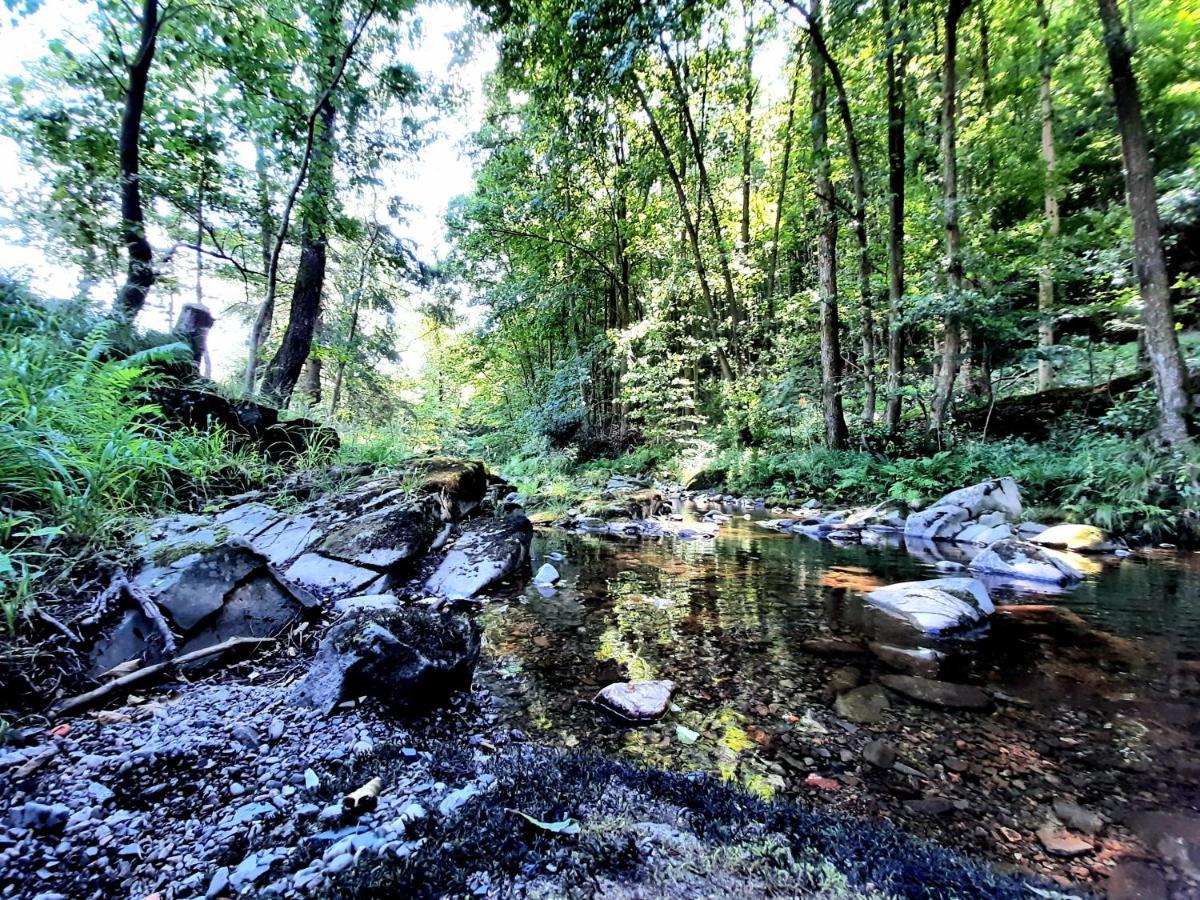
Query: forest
point(813, 379)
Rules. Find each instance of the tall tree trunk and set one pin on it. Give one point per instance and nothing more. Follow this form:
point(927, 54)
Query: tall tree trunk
point(831, 356)
point(312, 372)
point(858, 187)
point(952, 338)
point(689, 227)
point(139, 274)
point(284, 369)
point(1170, 376)
point(897, 64)
point(784, 170)
point(748, 128)
point(1045, 374)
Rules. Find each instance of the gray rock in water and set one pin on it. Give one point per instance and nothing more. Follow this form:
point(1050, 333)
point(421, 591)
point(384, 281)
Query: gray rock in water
point(636, 701)
point(547, 574)
point(935, 606)
point(864, 705)
point(940, 522)
point(387, 536)
point(1014, 558)
point(487, 551)
point(923, 661)
point(410, 659)
point(998, 495)
point(937, 693)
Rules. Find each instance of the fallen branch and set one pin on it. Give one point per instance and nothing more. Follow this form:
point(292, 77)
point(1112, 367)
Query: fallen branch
point(120, 584)
point(83, 700)
point(365, 799)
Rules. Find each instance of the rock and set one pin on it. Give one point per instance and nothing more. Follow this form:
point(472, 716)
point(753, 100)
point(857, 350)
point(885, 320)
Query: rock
point(1080, 538)
point(1062, 843)
point(636, 701)
point(1134, 880)
point(940, 522)
point(366, 603)
point(287, 539)
point(1174, 835)
point(844, 679)
point(935, 606)
point(937, 693)
point(40, 816)
point(385, 537)
point(461, 483)
point(1028, 529)
point(1015, 558)
point(998, 495)
point(547, 574)
point(1078, 818)
point(972, 533)
point(993, 534)
point(923, 661)
point(930, 806)
point(863, 705)
point(948, 566)
point(319, 573)
point(880, 753)
point(193, 586)
point(410, 659)
point(219, 883)
point(831, 647)
point(487, 551)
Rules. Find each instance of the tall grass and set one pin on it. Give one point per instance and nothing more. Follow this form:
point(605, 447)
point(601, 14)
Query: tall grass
point(81, 449)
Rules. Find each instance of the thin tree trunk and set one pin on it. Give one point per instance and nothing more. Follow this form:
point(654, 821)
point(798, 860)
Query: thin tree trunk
point(312, 372)
point(690, 229)
point(858, 187)
point(951, 340)
point(831, 356)
point(784, 171)
point(284, 369)
point(747, 132)
point(1170, 376)
point(1045, 373)
point(139, 274)
point(897, 64)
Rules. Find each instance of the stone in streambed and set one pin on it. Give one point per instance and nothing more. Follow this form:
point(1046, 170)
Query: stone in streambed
point(386, 537)
point(1080, 538)
point(937, 693)
point(488, 551)
point(636, 701)
point(923, 661)
point(998, 495)
point(547, 574)
point(880, 753)
point(940, 522)
point(1062, 843)
point(1014, 558)
point(863, 705)
point(935, 606)
point(409, 659)
point(1074, 816)
point(844, 679)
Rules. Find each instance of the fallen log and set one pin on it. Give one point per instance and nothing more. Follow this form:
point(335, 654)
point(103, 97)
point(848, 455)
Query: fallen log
point(83, 700)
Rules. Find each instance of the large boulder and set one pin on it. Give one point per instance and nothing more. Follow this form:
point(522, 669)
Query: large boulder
point(999, 495)
point(940, 522)
point(936, 606)
point(1080, 538)
point(385, 537)
point(460, 483)
point(487, 551)
point(410, 659)
point(1014, 558)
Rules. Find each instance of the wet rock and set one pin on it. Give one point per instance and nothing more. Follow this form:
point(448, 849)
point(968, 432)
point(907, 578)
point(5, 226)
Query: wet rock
point(844, 679)
point(1015, 558)
point(1074, 816)
point(940, 522)
point(880, 753)
point(366, 603)
point(864, 705)
point(385, 537)
point(1062, 843)
point(937, 693)
point(409, 659)
point(487, 551)
point(831, 647)
point(1080, 538)
point(923, 661)
point(547, 574)
point(636, 701)
point(935, 606)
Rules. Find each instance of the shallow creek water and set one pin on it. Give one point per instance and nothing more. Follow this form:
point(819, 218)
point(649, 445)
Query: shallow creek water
point(1099, 704)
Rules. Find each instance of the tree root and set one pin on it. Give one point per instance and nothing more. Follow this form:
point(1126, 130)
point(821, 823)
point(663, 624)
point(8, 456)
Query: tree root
point(119, 585)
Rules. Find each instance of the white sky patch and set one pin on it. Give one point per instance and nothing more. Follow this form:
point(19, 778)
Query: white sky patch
point(426, 183)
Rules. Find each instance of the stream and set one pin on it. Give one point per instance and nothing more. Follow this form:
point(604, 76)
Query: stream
point(1094, 686)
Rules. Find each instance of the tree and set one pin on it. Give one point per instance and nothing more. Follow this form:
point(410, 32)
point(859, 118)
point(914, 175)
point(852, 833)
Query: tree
point(1053, 222)
point(897, 65)
point(1162, 345)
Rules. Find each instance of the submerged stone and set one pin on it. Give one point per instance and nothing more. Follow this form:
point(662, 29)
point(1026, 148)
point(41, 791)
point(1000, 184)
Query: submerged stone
point(864, 705)
point(937, 693)
point(935, 606)
point(636, 701)
point(1015, 558)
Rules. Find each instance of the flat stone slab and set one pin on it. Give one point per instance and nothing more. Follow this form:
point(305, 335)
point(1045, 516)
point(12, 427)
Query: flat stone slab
point(636, 701)
point(937, 693)
point(385, 537)
point(317, 572)
point(934, 606)
point(487, 551)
